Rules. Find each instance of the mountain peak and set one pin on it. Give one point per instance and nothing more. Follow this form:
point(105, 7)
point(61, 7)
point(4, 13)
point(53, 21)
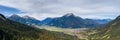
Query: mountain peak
point(69, 14)
point(28, 17)
point(2, 17)
point(15, 15)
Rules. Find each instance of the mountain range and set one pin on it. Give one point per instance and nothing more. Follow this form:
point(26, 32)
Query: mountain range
point(11, 30)
point(25, 20)
point(66, 21)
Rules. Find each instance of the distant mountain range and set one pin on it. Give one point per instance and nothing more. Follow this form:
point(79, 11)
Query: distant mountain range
point(67, 21)
point(102, 21)
point(11, 30)
point(25, 20)
point(71, 21)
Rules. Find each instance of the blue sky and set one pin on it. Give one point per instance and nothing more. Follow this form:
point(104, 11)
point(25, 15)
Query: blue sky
point(7, 11)
point(40, 9)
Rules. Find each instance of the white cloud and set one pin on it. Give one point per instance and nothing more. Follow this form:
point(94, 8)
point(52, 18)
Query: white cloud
point(51, 8)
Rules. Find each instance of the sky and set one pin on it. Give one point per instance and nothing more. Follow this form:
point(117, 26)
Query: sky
point(41, 9)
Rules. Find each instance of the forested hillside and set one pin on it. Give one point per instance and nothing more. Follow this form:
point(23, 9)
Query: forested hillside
point(110, 32)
